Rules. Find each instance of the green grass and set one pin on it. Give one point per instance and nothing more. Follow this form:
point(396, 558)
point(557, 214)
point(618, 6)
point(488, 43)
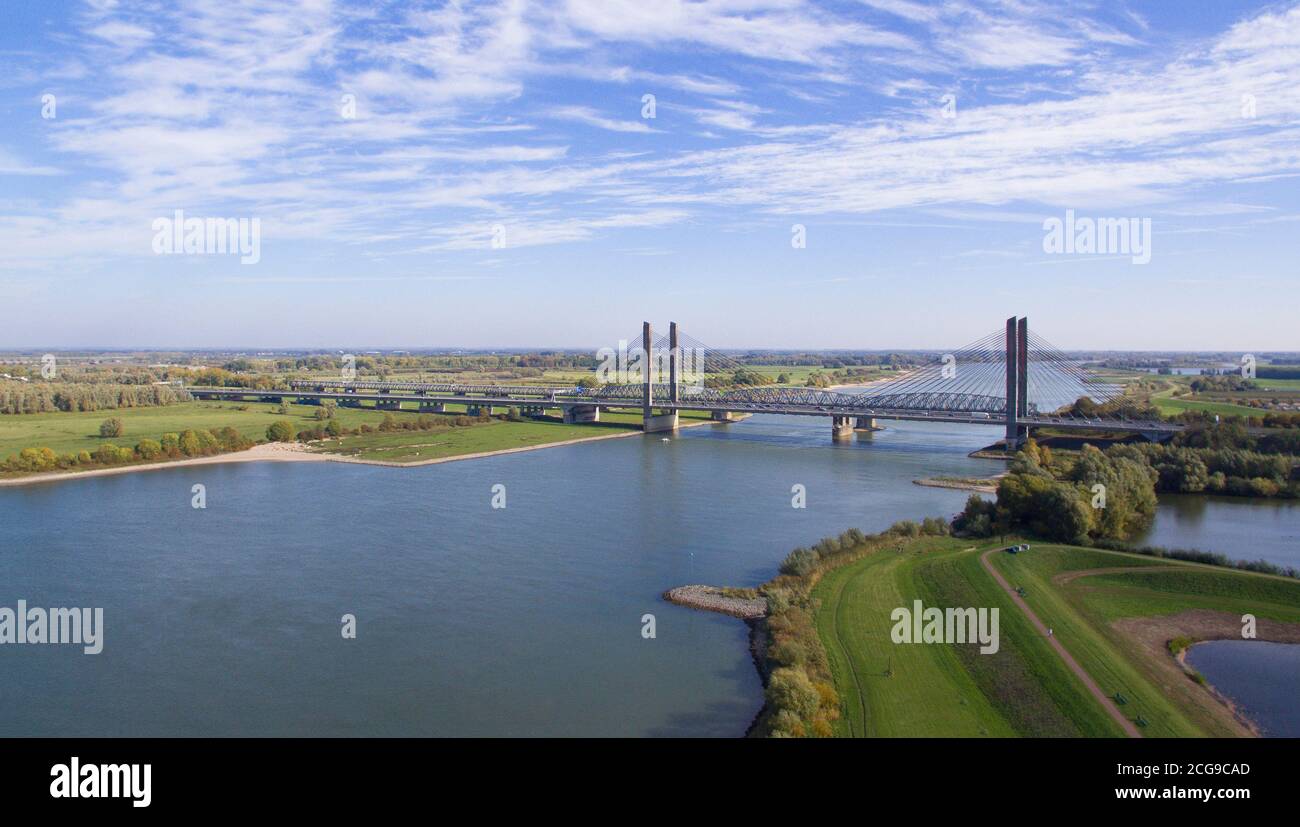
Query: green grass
point(1279, 384)
point(927, 691)
point(1025, 688)
point(936, 689)
point(71, 432)
point(1175, 406)
point(1082, 611)
point(497, 435)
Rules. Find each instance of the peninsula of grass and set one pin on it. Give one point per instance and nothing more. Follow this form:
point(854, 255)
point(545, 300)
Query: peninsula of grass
point(833, 670)
point(402, 436)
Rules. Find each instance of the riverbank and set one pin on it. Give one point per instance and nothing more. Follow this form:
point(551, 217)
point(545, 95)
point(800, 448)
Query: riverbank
point(300, 452)
point(1176, 635)
point(1112, 664)
point(984, 485)
point(747, 605)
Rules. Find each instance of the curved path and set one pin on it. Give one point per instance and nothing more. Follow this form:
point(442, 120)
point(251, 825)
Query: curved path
point(1107, 703)
point(838, 607)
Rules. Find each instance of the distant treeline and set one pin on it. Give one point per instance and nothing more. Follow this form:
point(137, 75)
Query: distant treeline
point(42, 397)
point(833, 361)
point(1277, 372)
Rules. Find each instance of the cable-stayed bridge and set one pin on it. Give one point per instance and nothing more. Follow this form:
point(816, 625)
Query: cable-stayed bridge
point(1012, 378)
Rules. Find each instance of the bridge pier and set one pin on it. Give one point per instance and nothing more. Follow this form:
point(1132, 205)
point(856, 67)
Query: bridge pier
point(841, 427)
point(279, 400)
point(307, 400)
point(659, 422)
point(576, 414)
point(433, 407)
point(867, 423)
point(724, 416)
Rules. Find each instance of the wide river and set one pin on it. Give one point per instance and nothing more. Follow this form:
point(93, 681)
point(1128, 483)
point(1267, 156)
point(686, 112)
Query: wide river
point(470, 620)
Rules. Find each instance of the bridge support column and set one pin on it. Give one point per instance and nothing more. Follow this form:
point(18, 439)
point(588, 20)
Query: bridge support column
point(307, 400)
point(279, 400)
point(433, 407)
point(662, 422)
point(650, 422)
point(1013, 357)
point(575, 414)
point(867, 423)
point(723, 416)
point(841, 427)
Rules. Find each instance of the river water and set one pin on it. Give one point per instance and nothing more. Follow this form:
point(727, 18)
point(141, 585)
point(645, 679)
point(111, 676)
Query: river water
point(470, 620)
point(1261, 677)
point(1242, 528)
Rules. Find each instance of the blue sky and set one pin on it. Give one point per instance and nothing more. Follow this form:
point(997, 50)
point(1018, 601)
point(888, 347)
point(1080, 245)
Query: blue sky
point(524, 121)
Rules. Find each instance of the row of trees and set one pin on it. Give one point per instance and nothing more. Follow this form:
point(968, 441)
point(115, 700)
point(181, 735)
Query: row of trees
point(45, 397)
point(1230, 471)
point(283, 430)
point(189, 443)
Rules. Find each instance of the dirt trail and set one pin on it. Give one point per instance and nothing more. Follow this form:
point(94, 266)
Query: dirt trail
point(1128, 726)
point(1068, 576)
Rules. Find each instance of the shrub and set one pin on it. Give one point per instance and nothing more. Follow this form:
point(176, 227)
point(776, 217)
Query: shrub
point(106, 454)
point(112, 427)
point(799, 562)
point(934, 527)
point(905, 528)
point(789, 689)
point(149, 449)
point(280, 430)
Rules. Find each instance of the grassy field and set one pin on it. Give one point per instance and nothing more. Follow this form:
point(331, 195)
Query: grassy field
point(890, 690)
point(939, 690)
point(71, 432)
point(1025, 688)
point(1082, 612)
point(1168, 406)
point(1279, 384)
point(497, 435)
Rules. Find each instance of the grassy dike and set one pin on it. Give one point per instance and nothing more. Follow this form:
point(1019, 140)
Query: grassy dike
point(833, 669)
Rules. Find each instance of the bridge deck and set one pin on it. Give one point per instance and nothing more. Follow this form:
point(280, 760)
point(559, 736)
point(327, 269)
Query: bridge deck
point(848, 406)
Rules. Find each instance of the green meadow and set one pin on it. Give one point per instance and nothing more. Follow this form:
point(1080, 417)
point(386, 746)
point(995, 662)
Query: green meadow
point(1025, 689)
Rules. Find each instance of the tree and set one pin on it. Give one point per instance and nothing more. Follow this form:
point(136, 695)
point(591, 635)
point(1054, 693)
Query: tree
point(112, 427)
point(106, 454)
point(149, 449)
point(333, 428)
point(789, 689)
point(189, 444)
point(280, 430)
